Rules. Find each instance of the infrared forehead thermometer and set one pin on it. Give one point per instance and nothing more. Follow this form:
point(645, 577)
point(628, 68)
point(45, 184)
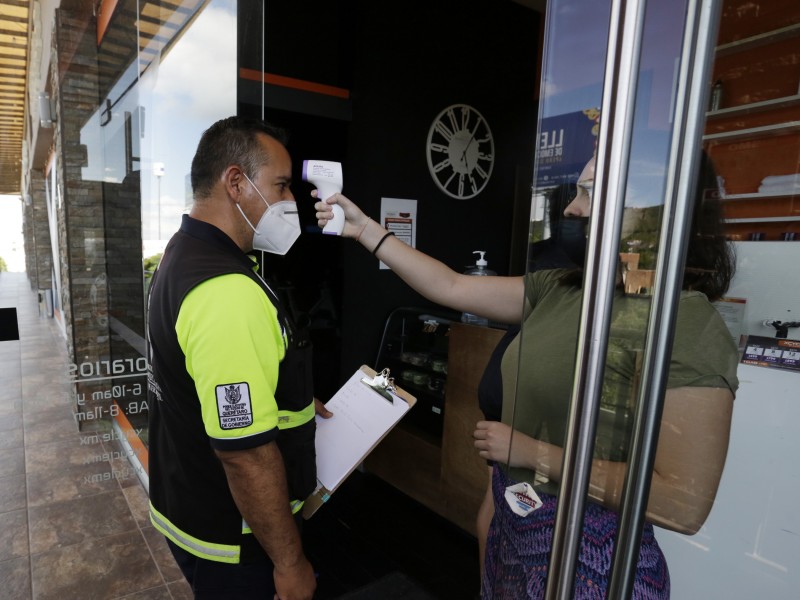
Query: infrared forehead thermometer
point(326, 176)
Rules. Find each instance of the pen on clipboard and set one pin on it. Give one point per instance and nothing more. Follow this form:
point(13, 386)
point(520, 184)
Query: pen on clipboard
point(382, 384)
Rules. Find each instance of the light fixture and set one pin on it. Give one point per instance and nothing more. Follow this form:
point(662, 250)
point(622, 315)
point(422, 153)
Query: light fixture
point(47, 112)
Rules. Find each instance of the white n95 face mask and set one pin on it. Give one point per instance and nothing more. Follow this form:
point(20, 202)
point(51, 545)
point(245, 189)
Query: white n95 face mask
point(278, 228)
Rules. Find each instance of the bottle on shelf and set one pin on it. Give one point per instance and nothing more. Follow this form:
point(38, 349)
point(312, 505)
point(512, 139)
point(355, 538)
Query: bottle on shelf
point(716, 96)
point(480, 269)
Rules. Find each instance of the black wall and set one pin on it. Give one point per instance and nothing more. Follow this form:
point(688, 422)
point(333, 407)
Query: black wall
point(404, 63)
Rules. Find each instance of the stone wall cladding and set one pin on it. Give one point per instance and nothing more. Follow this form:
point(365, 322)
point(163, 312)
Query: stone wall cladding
point(38, 251)
point(82, 244)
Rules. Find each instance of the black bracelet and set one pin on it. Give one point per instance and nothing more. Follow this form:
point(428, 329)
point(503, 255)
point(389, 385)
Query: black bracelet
point(383, 239)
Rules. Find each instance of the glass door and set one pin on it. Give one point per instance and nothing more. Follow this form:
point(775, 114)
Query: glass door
point(752, 136)
point(139, 143)
point(657, 170)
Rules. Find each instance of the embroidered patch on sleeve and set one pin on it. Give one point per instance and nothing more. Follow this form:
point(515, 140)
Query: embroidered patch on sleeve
point(233, 405)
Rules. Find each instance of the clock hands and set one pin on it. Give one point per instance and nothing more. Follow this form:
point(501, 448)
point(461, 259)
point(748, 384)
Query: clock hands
point(472, 137)
point(464, 153)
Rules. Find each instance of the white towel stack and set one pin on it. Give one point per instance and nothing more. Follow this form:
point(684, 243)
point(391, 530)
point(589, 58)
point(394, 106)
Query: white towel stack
point(780, 184)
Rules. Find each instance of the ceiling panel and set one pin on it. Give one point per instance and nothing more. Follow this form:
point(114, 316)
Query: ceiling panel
point(13, 61)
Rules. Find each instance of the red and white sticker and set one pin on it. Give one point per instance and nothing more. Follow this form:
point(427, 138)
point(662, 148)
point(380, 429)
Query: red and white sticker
point(522, 499)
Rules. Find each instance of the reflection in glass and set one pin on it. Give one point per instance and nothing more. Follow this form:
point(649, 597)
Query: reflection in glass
point(158, 92)
point(193, 86)
point(542, 360)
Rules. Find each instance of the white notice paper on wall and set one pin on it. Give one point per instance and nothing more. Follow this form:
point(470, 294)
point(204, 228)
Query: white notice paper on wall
point(361, 419)
point(400, 216)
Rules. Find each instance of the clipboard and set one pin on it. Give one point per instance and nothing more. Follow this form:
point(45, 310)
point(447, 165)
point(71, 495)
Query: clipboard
point(365, 409)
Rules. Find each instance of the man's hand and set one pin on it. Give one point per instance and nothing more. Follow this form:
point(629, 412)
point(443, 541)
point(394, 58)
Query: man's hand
point(296, 582)
point(320, 409)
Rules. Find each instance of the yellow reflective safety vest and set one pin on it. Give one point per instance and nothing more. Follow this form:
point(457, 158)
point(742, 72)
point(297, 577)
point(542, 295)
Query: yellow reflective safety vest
point(227, 371)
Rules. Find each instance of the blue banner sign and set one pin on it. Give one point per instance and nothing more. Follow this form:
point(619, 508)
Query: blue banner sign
point(566, 142)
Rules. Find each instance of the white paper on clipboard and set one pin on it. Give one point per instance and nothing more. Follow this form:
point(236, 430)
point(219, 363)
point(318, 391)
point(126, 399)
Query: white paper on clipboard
point(361, 419)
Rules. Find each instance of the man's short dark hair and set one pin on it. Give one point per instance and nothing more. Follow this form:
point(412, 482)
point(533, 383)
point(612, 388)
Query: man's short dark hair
point(231, 141)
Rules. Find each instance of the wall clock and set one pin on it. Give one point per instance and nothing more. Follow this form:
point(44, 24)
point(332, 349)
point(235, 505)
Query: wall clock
point(460, 151)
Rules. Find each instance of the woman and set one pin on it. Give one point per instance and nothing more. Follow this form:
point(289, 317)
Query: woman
point(564, 249)
point(696, 418)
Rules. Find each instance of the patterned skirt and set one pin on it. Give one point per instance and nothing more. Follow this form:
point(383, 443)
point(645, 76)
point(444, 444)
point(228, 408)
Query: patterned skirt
point(518, 552)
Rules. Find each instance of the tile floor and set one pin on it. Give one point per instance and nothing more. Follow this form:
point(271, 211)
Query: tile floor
point(65, 535)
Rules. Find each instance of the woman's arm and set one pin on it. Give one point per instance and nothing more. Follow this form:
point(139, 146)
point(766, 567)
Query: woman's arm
point(692, 446)
point(497, 298)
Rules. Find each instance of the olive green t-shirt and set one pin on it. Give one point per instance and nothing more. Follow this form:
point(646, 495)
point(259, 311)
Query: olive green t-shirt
point(703, 355)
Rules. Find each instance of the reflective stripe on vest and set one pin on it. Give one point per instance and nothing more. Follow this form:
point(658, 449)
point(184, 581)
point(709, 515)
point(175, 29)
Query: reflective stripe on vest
point(208, 550)
point(288, 419)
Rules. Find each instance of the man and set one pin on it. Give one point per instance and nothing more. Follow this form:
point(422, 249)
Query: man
point(232, 409)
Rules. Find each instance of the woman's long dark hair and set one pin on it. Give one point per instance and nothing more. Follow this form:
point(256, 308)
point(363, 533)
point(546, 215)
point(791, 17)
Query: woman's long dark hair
point(710, 260)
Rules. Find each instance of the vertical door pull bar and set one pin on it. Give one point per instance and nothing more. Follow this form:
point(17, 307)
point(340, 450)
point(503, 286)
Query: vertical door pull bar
point(697, 54)
point(611, 174)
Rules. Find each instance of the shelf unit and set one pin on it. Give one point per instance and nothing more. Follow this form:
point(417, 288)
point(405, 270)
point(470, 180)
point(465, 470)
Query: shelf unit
point(754, 132)
point(757, 135)
point(761, 39)
point(442, 472)
point(754, 107)
point(754, 196)
point(414, 349)
point(764, 220)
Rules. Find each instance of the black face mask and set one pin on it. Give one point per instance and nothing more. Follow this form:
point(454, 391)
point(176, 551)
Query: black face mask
point(570, 236)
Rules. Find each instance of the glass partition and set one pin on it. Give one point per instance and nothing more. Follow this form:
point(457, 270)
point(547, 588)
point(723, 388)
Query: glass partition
point(752, 138)
point(162, 78)
point(737, 188)
point(117, 95)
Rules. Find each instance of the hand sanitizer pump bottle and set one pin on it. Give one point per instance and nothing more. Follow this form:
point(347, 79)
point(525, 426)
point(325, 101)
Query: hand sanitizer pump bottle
point(480, 270)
